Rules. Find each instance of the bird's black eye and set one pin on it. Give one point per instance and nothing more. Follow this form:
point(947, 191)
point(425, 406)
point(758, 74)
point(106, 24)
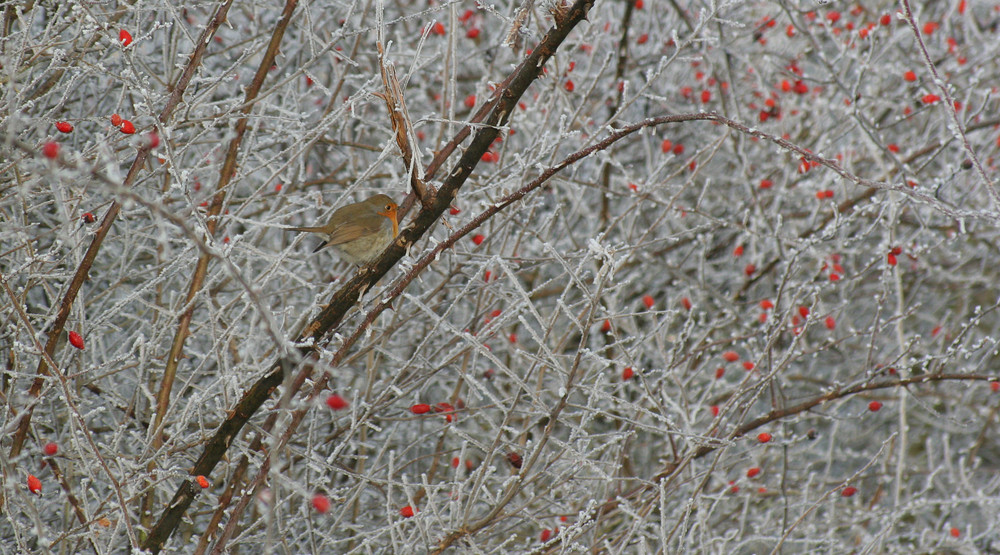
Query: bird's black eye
point(388, 207)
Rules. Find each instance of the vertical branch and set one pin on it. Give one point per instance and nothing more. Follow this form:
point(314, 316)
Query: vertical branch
point(82, 271)
point(402, 126)
point(215, 208)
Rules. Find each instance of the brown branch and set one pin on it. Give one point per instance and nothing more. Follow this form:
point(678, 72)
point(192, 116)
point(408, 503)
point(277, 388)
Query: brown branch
point(505, 100)
point(212, 218)
point(74, 410)
point(83, 270)
point(395, 105)
point(620, 64)
point(215, 448)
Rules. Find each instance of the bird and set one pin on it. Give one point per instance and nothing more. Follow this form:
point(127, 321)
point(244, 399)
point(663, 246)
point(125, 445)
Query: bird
point(359, 232)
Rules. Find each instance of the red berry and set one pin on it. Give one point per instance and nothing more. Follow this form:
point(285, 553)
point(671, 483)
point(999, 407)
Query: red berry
point(50, 149)
point(478, 239)
point(719, 372)
point(51, 449)
point(125, 37)
point(643, 39)
point(648, 300)
point(569, 85)
point(34, 484)
point(706, 96)
point(994, 386)
point(407, 511)
point(885, 19)
point(909, 76)
point(514, 459)
point(748, 365)
point(801, 88)
point(627, 373)
point(64, 126)
point(830, 322)
point(438, 28)
point(202, 482)
point(472, 33)
point(930, 98)
point(606, 326)
point(545, 535)
point(686, 303)
point(336, 402)
point(730, 356)
point(848, 491)
point(154, 140)
point(678, 149)
point(766, 305)
point(715, 410)
point(321, 503)
point(470, 101)
point(874, 406)
point(127, 127)
point(763, 437)
point(116, 120)
point(87, 217)
point(749, 269)
point(666, 145)
point(639, 4)
point(76, 340)
point(420, 408)
point(738, 251)
point(890, 259)
point(804, 311)
point(753, 472)
point(454, 210)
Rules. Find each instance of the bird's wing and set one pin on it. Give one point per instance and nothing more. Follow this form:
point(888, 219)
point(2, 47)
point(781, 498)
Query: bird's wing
point(354, 229)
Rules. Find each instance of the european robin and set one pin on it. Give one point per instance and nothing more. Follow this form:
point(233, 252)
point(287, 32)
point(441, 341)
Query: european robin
point(359, 232)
